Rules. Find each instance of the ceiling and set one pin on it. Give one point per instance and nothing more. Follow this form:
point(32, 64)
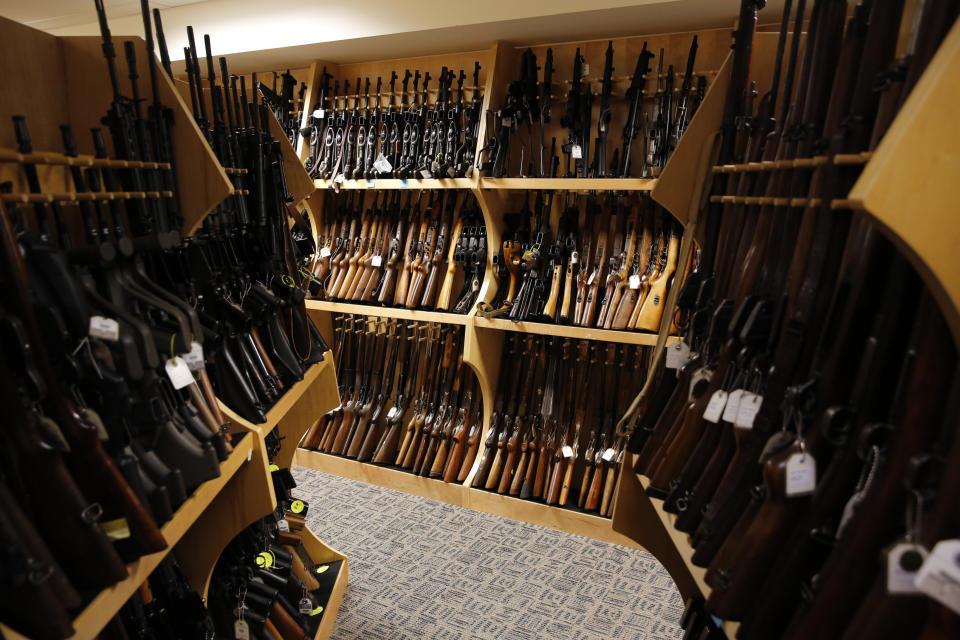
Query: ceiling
point(260, 36)
point(55, 14)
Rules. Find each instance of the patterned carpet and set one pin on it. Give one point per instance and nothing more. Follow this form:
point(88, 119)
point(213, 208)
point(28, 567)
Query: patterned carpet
point(422, 569)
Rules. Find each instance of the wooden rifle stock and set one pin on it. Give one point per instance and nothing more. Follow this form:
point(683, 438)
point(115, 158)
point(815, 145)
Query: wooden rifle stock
point(568, 280)
point(286, 625)
point(652, 311)
point(444, 298)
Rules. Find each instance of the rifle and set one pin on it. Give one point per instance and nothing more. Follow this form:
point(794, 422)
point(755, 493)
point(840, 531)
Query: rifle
point(573, 119)
point(508, 367)
point(680, 119)
point(471, 117)
point(633, 123)
point(603, 120)
point(546, 95)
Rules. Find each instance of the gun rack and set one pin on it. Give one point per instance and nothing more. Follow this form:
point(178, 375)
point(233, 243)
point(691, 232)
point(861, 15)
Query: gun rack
point(63, 80)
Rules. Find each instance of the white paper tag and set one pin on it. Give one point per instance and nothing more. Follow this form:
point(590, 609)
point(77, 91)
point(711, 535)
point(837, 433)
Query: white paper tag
point(634, 282)
point(678, 354)
point(283, 525)
point(340, 178)
point(371, 184)
point(904, 560)
point(585, 69)
point(567, 451)
point(576, 152)
point(609, 454)
point(507, 121)
point(325, 252)
point(241, 630)
point(318, 113)
point(939, 577)
point(715, 407)
point(801, 475)
point(178, 372)
point(376, 261)
point(194, 357)
point(747, 411)
point(404, 184)
point(733, 406)
point(382, 165)
point(104, 328)
point(425, 174)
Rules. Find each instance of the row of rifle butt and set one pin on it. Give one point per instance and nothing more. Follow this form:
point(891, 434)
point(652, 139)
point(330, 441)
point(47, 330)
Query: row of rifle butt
point(428, 253)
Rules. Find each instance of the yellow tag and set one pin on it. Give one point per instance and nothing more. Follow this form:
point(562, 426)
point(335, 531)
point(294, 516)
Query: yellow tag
point(116, 529)
point(296, 506)
point(265, 559)
point(273, 468)
point(316, 611)
point(322, 569)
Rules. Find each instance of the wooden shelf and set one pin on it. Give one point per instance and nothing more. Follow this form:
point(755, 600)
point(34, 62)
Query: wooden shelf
point(108, 602)
point(538, 328)
point(571, 184)
point(552, 184)
point(560, 519)
point(394, 183)
point(287, 400)
point(684, 548)
point(567, 331)
point(390, 312)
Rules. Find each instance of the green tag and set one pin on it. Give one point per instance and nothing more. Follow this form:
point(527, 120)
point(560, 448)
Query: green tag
point(265, 559)
point(316, 611)
point(273, 468)
point(322, 569)
point(296, 506)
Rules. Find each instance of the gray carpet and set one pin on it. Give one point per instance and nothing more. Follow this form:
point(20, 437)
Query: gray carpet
point(422, 569)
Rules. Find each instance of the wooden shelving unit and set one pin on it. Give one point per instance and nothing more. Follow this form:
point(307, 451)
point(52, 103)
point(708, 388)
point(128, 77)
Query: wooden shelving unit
point(461, 495)
point(390, 312)
point(570, 184)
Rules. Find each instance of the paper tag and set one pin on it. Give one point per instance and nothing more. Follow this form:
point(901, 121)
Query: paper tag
point(273, 467)
point(241, 630)
point(576, 151)
point(715, 407)
point(264, 559)
point(507, 121)
point(747, 411)
point(635, 283)
point(116, 529)
point(283, 525)
point(567, 451)
point(305, 606)
point(376, 261)
point(733, 405)
point(325, 252)
point(425, 174)
point(297, 506)
point(322, 568)
point(371, 184)
point(194, 357)
point(316, 611)
point(585, 69)
point(939, 577)
point(340, 178)
point(801, 475)
point(104, 328)
point(904, 560)
point(678, 354)
point(404, 184)
point(178, 372)
point(382, 165)
point(609, 454)
point(318, 114)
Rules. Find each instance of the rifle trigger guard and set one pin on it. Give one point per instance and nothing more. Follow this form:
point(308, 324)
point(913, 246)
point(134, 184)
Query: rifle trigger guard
point(92, 513)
